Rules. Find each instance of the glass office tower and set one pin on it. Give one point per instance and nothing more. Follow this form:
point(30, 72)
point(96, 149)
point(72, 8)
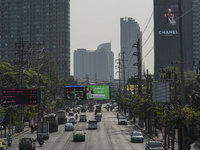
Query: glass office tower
point(38, 21)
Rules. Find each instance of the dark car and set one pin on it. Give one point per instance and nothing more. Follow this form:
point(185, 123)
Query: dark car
point(27, 143)
point(157, 145)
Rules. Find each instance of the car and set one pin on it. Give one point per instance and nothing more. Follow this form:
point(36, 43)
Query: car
point(83, 118)
point(137, 136)
point(92, 124)
point(27, 143)
point(72, 120)
point(97, 117)
point(71, 113)
point(154, 145)
point(99, 114)
point(122, 120)
point(83, 110)
point(69, 126)
point(2, 145)
point(79, 135)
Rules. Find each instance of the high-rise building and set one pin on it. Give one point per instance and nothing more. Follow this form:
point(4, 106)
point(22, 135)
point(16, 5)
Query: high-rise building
point(98, 65)
point(37, 21)
point(129, 33)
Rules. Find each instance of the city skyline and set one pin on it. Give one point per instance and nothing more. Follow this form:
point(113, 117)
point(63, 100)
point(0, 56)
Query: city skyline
point(100, 23)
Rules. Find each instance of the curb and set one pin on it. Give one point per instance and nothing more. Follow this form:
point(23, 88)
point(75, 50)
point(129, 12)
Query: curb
point(137, 126)
point(17, 134)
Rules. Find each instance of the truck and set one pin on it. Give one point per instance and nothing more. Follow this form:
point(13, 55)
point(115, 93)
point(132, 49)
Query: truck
point(52, 118)
point(98, 107)
point(43, 129)
point(62, 116)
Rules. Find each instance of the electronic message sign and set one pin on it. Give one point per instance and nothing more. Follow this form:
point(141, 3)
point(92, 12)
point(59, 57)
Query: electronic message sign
point(74, 92)
point(87, 92)
point(20, 97)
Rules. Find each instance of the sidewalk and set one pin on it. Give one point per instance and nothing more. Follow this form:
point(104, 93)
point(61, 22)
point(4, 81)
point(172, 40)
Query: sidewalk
point(26, 129)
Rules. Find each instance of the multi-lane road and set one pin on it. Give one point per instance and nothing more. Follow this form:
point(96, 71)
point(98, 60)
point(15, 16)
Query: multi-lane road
point(108, 136)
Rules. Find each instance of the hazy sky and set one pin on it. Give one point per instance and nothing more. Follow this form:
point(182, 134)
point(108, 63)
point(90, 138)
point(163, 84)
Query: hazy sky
point(93, 22)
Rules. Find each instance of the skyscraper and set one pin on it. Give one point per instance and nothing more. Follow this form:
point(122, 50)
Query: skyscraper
point(97, 64)
point(130, 33)
point(37, 21)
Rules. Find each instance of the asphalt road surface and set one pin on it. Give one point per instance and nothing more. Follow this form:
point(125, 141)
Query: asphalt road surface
point(108, 136)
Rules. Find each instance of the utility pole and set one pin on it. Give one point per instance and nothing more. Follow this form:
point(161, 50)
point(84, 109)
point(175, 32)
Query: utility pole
point(124, 73)
point(118, 67)
point(87, 79)
point(23, 57)
point(182, 70)
point(139, 64)
point(95, 78)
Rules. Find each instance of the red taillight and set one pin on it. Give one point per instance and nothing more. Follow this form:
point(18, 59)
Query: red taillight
point(31, 144)
point(18, 144)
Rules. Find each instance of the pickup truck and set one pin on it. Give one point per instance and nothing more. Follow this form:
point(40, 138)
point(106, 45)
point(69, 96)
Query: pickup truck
point(27, 143)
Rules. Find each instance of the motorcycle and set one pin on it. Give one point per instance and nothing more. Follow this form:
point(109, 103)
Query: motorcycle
point(41, 143)
point(32, 130)
point(9, 142)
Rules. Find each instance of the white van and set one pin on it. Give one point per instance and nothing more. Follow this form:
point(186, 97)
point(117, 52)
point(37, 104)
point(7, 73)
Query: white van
point(92, 124)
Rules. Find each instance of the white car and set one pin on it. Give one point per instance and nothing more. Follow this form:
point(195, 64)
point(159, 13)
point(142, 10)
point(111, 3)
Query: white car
point(83, 118)
point(69, 127)
point(122, 120)
point(72, 120)
point(92, 124)
point(137, 137)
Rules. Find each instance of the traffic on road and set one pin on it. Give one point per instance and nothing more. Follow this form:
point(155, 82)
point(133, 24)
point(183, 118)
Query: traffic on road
point(92, 134)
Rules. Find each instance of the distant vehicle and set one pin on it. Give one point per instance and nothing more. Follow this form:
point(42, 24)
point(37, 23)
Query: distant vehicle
point(53, 121)
point(97, 111)
point(71, 113)
point(26, 143)
point(137, 137)
point(99, 114)
point(91, 107)
point(74, 110)
point(154, 145)
point(98, 117)
point(69, 126)
point(72, 120)
point(83, 118)
point(43, 129)
point(79, 135)
point(98, 107)
point(83, 109)
point(62, 116)
point(122, 120)
point(92, 124)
